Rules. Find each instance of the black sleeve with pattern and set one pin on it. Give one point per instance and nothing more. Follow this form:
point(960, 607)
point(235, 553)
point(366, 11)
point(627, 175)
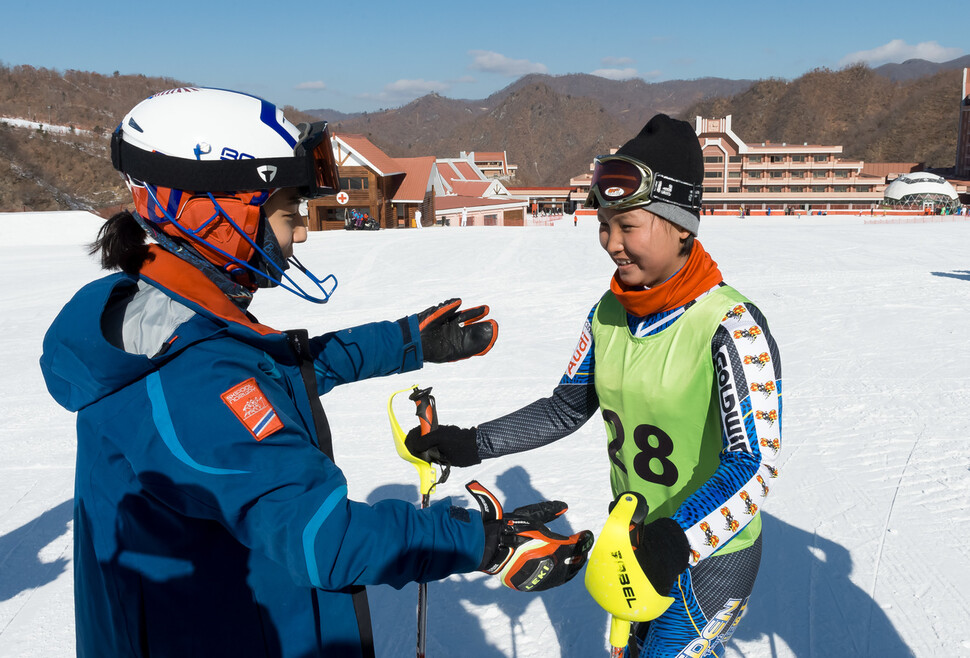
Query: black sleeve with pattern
point(539, 423)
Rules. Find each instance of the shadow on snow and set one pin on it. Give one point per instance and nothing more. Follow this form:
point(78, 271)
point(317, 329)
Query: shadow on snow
point(20, 550)
point(576, 623)
point(963, 275)
point(804, 596)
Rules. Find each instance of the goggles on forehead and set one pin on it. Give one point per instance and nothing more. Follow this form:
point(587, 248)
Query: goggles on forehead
point(312, 168)
point(620, 182)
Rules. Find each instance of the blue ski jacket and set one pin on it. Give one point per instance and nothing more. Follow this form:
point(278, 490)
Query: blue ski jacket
point(207, 519)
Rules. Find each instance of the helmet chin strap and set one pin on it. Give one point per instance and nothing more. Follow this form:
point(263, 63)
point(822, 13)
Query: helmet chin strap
point(326, 285)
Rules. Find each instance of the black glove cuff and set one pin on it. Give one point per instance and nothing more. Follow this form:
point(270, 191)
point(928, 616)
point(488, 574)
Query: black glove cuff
point(464, 450)
point(493, 533)
point(447, 444)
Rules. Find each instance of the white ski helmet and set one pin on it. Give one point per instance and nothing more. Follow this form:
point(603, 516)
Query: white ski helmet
point(216, 140)
point(201, 162)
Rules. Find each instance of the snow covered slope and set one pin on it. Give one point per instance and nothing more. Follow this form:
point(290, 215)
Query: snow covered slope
point(865, 551)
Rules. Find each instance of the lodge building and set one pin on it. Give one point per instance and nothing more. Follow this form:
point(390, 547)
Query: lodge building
point(401, 192)
point(781, 177)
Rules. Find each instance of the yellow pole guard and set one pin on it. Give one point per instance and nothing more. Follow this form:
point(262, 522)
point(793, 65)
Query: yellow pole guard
point(425, 470)
point(614, 577)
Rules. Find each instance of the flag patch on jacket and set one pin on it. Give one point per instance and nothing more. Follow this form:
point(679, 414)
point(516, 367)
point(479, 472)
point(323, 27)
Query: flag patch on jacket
point(250, 405)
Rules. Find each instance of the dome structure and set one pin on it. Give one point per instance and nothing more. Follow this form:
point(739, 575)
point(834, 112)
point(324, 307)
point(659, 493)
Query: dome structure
point(916, 190)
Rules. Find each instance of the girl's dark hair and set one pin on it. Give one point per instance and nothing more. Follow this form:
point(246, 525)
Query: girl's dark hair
point(121, 242)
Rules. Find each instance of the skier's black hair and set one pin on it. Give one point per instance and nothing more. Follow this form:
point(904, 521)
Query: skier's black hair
point(121, 243)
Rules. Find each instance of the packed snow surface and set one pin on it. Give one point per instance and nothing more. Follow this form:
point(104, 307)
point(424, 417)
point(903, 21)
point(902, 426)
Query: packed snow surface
point(865, 528)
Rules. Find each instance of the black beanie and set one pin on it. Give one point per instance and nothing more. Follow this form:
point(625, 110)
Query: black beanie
point(670, 147)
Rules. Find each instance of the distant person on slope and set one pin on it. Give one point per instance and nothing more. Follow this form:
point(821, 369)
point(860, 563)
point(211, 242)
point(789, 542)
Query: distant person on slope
point(686, 375)
point(210, 518)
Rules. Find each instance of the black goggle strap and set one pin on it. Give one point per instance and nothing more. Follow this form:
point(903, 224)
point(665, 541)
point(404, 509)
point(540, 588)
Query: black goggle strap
point(677, 192)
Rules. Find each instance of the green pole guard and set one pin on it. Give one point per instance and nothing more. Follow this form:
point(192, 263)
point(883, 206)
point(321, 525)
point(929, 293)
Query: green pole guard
point(426, 471)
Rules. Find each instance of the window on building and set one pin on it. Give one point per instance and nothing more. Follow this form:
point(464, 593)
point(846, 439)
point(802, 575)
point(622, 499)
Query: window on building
point(491, 220)
point(713, 174)
point(841, 173)
point(821, 158)
point(777, 158)
point(840, 188)
point(713, 189)
point(798, 173)
point(754, 158)
point(734, 174)
point(402, 211)
point(354, 183)
point(734, 190)
point(754, 188)
point(774, 188)
point(754, 174)
point(777, 174)
point(798, 158)
point(796, 188)
point(734, 158)
point(713, 159)
point(863, 188)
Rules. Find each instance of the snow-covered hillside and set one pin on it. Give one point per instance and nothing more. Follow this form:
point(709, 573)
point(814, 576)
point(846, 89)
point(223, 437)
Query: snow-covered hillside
point(865, 553)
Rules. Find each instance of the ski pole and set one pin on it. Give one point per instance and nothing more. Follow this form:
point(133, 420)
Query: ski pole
point(614, 577)
point(428, 418)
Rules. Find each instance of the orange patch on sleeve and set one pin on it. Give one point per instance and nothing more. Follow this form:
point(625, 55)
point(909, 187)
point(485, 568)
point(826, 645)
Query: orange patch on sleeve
point(249, 404)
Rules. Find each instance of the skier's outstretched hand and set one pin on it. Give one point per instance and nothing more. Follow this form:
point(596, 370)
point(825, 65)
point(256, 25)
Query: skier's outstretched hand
point(451, 334)
point(662, 551)
point(519, 548)
point(446, 444)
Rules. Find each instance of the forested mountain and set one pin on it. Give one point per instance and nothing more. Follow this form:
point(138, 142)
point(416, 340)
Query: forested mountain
point(550, 126)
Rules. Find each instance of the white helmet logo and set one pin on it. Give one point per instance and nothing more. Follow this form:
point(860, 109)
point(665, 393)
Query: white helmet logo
point(614, 191)
point(267, 172)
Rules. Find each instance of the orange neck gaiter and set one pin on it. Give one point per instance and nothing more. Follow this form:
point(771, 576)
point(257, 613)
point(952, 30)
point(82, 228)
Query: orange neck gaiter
point(698, 275)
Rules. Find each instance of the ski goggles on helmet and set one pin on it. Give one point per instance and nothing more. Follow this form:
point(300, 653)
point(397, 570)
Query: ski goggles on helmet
point(312, 168)
point(620, 182)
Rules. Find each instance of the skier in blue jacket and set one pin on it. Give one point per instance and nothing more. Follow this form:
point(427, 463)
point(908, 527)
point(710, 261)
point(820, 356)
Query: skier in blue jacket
point(210, 517)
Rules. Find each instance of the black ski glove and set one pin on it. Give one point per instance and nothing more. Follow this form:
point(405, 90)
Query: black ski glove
point(519, 548)
point(447, 444)
point(662, 550)
point(450, 334)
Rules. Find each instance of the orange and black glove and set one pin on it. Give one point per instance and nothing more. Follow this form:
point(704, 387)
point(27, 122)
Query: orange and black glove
point(521, 551)
point(451, 334)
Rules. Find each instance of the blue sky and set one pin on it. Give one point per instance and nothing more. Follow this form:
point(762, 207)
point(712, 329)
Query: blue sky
point(356, 56)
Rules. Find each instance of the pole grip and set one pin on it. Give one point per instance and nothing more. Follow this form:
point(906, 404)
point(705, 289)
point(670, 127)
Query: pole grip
point(426, 411)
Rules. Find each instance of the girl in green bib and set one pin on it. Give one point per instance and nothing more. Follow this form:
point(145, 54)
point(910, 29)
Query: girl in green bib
point(687, 377)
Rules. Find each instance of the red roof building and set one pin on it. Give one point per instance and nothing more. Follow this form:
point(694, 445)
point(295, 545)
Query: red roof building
point(394, 191)
point(494, 164)
point(400, 192)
